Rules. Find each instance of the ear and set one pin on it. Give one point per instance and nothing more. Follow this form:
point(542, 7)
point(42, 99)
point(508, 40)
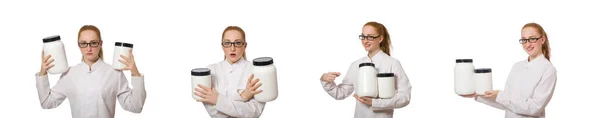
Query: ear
point(543, 40)
point(382, 38)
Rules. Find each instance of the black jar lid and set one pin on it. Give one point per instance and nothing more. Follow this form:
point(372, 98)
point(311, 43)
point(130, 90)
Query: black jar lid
point(385, 75)
point(262, 61)
point(129, 45)
point(200, 71)
point(483, 70)
point(366, 64)
point(51, 38)
point(464, 60)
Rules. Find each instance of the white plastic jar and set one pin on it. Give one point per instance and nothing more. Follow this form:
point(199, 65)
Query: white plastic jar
point(200, 76)
point(483, 80)
point(386, 85)
point(266, 72)
point(366, 83)
point(53, 46)
point(464, 82)
point(121, 49)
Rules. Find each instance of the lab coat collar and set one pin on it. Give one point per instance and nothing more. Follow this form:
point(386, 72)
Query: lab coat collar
point(380, 55)
point(238, 64)
point(97, 65)
point(539, 59)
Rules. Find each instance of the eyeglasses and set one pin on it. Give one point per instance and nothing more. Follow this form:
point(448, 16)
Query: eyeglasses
point(369, 38)
point(236, 44)
point(91, 44)
point(530, 40)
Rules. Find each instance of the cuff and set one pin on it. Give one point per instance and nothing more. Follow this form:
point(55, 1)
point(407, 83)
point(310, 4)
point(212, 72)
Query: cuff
point(138, 82)
point(502, 97)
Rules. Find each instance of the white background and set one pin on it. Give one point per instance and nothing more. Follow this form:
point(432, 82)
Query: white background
point(306, 39)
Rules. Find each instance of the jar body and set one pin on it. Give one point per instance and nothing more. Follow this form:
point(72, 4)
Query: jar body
point(366, 83)
point(120, 50)
point(483, 83)
point(202, 80)
point(386, 86)
point(267, 75)
point(464, 81)
point(57, 50)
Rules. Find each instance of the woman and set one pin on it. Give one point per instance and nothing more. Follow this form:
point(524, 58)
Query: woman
point(231, 95)
point(92, 86)
point(376, 41)
point(531, 82)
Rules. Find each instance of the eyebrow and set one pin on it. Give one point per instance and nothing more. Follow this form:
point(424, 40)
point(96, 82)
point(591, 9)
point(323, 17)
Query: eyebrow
point(95, 40)
point(236, 40)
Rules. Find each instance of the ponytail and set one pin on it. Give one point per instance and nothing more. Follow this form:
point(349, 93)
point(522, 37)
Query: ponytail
point(386, 44)
point(540, 30)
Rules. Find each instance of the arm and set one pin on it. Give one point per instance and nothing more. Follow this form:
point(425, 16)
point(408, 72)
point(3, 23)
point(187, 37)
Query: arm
point(402, 97)
point(51, 98)
point(535, 104)
point(343, 90)
point(131, 100)
point(236, 108)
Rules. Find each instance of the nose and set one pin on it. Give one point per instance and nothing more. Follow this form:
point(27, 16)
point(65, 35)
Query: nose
point(89, 48)
point(232, 48)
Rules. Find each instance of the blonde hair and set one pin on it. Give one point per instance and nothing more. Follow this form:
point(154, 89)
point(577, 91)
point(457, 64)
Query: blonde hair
point(236, 28)
point(97, 31)
point(540, 30)
point(386, 45)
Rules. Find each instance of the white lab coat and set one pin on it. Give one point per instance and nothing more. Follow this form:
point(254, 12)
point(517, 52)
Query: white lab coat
point(381, 108)
point(92, 93)
point(528, 89)
point(230, 80)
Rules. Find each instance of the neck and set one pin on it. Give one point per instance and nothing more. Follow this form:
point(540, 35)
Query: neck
point(373, 53)
point(533, 57)
point(231, 62)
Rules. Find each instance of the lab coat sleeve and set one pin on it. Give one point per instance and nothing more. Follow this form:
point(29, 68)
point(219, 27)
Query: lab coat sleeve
point(402, 97)
point(131, 100)
point(235, 108)
point(535, 104)
point(489, 102)
point(51, 98)
point(343, 90)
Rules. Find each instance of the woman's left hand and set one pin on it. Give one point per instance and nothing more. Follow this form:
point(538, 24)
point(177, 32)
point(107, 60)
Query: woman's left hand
point(130, 62)
point(365, 100)
point(209, 95)
point(491, 94)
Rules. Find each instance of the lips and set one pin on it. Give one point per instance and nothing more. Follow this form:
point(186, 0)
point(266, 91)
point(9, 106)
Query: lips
point(232, 55)
point(89, 53)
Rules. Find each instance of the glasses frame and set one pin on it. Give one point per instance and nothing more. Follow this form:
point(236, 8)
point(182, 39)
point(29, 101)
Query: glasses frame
point(234, 44)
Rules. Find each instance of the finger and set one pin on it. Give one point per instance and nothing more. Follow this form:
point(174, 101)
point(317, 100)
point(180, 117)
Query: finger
point(45, 58)
point(204, 92)
point(256, 92)
point(50, 66)
point(254, 81)
point(335, 73)
point(125, 58)
point(250, 78)
point(197, 94)
point(489, 92)
point(124, 62)
point(255, 86)
point(131, 54)
point(197, 89)
point(203, 87)
point(49, 62)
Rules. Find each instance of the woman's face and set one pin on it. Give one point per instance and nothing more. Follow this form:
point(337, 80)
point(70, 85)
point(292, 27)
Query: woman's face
point(89, 45)
point(234, 45)
point(370, 32)
point(533, 49)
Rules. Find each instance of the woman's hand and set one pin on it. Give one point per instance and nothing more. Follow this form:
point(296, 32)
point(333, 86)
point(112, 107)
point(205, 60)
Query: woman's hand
point(251, 86)
point(46, 64)
point(209, 95)
point(130, 62)
point(491, 94)
point(330, 76)
point(365, 100)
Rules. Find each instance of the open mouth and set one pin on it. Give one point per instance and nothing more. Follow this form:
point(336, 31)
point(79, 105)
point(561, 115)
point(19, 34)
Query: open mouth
point(529, 48)
point(233, 55)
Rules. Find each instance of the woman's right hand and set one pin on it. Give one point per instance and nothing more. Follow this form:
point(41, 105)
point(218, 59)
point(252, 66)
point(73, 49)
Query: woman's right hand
point(46, 64)
point(330, 76)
